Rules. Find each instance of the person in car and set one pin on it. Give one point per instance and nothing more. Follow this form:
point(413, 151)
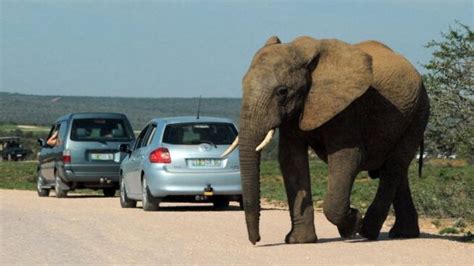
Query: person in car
point(54, 139)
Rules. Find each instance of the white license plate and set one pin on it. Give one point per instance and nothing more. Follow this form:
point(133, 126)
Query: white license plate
point(206, 163)
point(102, 156)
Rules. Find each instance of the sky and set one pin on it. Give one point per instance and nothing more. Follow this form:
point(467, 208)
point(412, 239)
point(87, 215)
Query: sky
point(190, 48)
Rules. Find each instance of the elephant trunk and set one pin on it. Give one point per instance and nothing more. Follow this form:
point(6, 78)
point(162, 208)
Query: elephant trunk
point(249, 138)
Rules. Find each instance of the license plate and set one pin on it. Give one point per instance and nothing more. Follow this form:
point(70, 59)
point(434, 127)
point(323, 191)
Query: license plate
point(102, 156)
point(19, 155)
point(206, 163)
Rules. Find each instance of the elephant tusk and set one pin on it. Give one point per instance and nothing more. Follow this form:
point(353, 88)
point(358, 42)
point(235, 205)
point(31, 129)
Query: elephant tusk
point(266, 140)
point(231, 148)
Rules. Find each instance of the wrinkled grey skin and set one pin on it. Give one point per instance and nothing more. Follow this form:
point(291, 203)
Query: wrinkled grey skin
point(359, 107)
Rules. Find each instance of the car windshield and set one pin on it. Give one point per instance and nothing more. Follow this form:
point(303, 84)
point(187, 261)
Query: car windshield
point(99, 130)
point(197, 133)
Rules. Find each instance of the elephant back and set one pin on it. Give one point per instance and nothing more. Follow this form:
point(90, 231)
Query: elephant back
point(394, 77)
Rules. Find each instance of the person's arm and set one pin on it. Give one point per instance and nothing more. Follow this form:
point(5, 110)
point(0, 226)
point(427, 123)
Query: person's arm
point(53, 140)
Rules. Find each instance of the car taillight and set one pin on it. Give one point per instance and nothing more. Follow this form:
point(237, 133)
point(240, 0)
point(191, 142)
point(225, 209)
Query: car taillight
point(66, 156)
point(160, 155)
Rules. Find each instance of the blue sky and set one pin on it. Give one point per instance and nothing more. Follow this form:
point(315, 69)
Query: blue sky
point(189, 48)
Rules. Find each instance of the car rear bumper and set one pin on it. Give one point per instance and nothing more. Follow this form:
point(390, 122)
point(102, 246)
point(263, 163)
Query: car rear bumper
point(104, 173)
point(162, 183)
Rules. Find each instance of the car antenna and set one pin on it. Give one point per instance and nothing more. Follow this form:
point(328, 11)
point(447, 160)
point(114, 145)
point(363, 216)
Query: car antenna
point(199, 107)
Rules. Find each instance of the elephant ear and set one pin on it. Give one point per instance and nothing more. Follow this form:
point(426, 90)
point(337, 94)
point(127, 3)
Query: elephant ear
point(340, 73)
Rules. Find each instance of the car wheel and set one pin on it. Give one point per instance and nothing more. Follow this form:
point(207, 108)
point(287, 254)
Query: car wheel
point(148, 201)
point(60, 193)
point(109, 192)
point(42, 192)
point(125, 202)
point(221, 203)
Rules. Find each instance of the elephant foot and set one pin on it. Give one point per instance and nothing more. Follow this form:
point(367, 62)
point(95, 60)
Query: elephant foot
point(350, 228)
point(301, 237)
point(369, 230)
point(369, 234)
point(404, 231)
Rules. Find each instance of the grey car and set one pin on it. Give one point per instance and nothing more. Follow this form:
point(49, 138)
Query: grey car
point(86, 154)
point(179, 160)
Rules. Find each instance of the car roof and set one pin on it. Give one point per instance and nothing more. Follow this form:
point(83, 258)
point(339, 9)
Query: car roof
point(191, 119)
point(91, 115)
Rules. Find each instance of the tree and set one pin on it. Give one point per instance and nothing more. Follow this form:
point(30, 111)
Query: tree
point(449, 83)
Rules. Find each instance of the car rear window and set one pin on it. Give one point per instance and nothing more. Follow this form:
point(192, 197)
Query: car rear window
point(197, 133)
point(100, 129)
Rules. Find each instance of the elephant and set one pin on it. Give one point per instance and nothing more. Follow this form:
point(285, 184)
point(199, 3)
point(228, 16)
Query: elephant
point(360, 107)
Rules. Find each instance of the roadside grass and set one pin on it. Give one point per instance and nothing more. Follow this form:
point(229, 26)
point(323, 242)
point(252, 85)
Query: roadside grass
point(18, 175)
point(442, 191)
point(22, 175)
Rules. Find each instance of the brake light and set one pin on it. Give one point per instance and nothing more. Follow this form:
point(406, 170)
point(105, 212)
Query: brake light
point(66, 156)
point(160, 155)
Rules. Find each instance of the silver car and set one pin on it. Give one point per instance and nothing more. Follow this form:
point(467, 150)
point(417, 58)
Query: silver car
point(179, 160)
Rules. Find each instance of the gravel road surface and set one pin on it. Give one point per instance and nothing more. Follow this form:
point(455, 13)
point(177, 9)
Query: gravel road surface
point(92, 229)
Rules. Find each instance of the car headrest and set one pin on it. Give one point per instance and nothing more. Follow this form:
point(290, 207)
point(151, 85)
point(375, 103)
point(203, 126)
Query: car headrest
point(117, 132)
point(81, 132)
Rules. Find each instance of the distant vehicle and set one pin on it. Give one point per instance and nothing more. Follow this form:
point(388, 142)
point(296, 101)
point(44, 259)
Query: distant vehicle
point(179, 160)
point(12, 150)
point(86, 155)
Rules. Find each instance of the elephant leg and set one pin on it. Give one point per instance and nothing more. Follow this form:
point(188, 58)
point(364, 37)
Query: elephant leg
point(394, 187)
point(293, 157)
point(406, 217)
point(391, 175)
point(343, 168)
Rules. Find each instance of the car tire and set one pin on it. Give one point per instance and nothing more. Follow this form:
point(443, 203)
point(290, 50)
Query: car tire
point(109, 192)
point(125, 202)
point(42, 192)
point(148, 201)
point(60, 193)
point(221, 203)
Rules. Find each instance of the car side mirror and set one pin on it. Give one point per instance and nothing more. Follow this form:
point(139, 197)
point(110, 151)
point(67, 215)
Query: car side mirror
point(41, 142)
point(125, 148)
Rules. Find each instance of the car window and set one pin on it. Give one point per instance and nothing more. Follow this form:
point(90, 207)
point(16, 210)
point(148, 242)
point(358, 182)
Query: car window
point(144, 138)
point(100, 129)
point(55, 131)
point(62, 127)
point(197, 133)
point(151, 135)
point(140, 138)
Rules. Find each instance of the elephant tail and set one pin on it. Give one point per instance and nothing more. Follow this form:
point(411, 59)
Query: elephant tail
point(420, 159)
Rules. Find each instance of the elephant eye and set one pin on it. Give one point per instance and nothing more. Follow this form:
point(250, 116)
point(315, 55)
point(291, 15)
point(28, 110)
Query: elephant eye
point(281, 91)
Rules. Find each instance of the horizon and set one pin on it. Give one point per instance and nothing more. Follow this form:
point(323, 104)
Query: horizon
point(162, 49)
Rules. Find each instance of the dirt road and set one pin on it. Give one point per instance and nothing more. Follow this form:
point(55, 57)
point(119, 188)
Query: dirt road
point(83, 229)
